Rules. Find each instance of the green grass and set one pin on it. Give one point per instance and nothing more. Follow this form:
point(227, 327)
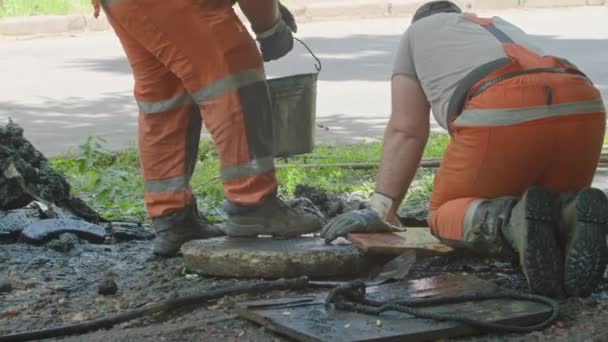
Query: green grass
point(12, 8)
point(112, 183)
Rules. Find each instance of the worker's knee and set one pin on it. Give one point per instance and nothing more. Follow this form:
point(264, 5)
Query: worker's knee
point(446, 221)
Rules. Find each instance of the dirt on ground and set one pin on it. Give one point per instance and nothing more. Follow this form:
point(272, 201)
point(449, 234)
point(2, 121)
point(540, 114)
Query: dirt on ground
point(68, 281)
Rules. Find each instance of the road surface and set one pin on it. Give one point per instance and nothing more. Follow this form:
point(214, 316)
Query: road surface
point(61, 89)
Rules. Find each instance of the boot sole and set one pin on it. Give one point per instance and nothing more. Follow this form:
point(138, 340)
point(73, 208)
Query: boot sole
point(170, 248)
point(587, 253)
point(543, 260)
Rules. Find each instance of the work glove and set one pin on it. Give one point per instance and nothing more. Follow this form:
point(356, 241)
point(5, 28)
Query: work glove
point(288, 18)
point(278, 41)
point(357, 221)
point(376, 219)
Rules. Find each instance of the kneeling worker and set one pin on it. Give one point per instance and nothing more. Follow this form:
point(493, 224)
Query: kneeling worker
point(526, 130)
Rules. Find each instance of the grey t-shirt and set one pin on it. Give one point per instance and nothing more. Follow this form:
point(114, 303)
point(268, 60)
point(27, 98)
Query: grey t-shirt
point(442, 49)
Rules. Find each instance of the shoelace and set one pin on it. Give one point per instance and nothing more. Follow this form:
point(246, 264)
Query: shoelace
point(282, 204)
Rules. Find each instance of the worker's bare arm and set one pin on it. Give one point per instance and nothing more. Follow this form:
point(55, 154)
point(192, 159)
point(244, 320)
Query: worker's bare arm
point(404, 139)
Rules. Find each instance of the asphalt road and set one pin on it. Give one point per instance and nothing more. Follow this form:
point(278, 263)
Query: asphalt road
point(62, 89)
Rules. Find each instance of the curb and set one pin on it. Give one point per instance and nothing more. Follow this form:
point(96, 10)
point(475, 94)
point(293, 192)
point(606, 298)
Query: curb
point(303, 11)
point(44, 25)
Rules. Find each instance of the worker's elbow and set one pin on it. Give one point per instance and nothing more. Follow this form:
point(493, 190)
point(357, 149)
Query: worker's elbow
point(414, 132)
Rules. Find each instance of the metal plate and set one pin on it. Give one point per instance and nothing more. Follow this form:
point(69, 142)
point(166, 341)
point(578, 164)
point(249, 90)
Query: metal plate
point(307, 319)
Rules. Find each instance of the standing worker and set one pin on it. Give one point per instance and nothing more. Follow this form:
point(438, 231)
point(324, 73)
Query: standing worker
point(193, 61)
point(526, 131)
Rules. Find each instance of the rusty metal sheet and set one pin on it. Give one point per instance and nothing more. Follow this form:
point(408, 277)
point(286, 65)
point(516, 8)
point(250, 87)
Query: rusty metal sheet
point(416, 239)
point(307, 319)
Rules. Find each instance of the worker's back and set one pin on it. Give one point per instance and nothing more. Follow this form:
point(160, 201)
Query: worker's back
point(442, 49)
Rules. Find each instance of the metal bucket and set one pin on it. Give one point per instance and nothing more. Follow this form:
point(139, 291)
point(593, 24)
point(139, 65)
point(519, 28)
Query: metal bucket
point(294, 111)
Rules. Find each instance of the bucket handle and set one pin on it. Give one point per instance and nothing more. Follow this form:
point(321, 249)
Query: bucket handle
point(318, 65)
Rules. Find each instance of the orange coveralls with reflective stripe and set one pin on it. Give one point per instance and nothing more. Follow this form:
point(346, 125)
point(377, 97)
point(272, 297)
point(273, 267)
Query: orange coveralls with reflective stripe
point(194, 61)
point(535, 121)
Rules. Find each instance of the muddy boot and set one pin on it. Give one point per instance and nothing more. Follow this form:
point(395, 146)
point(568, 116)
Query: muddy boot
point(532, 232)
point(180, 227)
point(273, 217)
point(483, 225)
point(583, 236)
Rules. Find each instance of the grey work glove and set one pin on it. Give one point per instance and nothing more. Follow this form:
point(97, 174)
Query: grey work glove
point(358, 221)
point(288, 18)
point(278, 41)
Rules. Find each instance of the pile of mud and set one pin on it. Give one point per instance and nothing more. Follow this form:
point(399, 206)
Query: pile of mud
point(32, 191)
point(25, 176)
point(328, 207)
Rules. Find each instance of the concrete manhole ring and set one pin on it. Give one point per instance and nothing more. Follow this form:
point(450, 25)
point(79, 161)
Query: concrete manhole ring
point(272, 258)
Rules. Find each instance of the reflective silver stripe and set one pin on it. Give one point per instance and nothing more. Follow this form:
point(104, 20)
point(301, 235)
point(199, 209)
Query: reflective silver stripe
point(251, 168)
point(166, 185)
point(510, 116)
point(177, 101)
point(228, 83)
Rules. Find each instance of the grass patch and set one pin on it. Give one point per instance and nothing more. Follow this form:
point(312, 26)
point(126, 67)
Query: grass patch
point(112, 182)
point(12, 8)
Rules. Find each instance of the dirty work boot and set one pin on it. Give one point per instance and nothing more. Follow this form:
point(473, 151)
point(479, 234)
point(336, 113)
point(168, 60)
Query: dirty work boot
point(273, 217)
point(532, 232)
point(583, 236)
point(483, 225)
point(177, 228)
